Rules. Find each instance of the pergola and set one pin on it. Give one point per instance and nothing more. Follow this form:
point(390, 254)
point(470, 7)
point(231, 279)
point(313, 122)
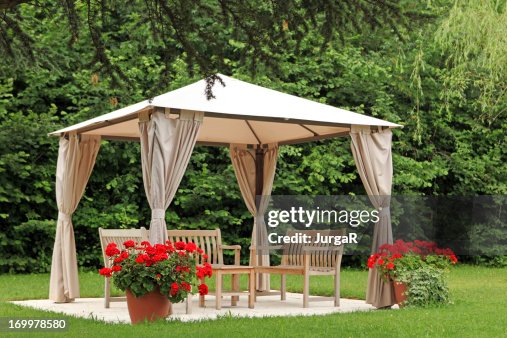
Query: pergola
point(253, 122)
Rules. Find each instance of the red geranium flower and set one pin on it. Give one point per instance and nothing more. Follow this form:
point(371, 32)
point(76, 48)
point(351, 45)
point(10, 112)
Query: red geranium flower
point(390, 266)
point(116, 268)
point(129, 244)
point(106, 272)
point(112, 250)
point(203, 289)
point(180, 245)
point(190, 247)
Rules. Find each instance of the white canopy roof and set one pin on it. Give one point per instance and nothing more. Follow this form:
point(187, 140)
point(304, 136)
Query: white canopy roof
point(240, 113)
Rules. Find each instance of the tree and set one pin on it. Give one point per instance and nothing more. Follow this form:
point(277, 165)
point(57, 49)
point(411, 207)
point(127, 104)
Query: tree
point(200, 29)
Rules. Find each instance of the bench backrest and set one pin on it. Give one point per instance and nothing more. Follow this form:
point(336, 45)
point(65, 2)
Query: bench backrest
point(293, 252)
point(210, 241)
point(119, 236)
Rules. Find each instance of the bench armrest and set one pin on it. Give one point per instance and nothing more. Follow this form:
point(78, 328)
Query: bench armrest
point(237, 252)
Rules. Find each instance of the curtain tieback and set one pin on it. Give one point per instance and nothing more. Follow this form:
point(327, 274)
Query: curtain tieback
point(384, 211)
point(64, 217)
point(158, 213)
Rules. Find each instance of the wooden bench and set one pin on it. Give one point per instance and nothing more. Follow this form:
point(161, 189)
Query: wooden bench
point(118, 236)
point(307, 260)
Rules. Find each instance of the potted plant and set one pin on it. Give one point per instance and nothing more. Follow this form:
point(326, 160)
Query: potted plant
point(417, 270)
point(154, 276)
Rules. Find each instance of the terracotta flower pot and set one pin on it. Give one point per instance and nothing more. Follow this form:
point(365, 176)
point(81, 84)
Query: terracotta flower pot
point(150, 307)
point(400, 290)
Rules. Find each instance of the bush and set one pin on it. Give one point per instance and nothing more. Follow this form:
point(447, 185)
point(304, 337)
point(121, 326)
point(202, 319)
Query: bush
point(31, 249)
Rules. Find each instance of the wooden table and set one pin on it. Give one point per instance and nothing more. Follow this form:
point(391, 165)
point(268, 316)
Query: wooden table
point(235, 271)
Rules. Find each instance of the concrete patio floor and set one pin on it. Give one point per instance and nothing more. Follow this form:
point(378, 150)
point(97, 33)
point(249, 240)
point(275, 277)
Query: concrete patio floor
point(266, 306)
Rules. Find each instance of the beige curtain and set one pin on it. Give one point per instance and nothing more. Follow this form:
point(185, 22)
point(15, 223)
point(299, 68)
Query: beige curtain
point(76, 158)
point(166, 147)
point(244, 163)
point(372, 154)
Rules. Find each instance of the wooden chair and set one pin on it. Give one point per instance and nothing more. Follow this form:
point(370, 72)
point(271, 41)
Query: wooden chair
point(307, 260)
point(210, 241)
point(118, 236)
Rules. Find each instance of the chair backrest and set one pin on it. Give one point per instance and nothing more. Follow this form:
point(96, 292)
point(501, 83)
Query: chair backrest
point(293, 252)
point(210, 241)
point(119, 236)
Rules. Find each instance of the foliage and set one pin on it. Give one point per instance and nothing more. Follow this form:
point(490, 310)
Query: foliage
point(448, 146)
point(142, 268)
point(427, 286)
point(197, 29)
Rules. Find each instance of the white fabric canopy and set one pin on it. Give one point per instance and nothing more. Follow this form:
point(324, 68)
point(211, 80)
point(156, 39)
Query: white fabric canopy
point(240, 113)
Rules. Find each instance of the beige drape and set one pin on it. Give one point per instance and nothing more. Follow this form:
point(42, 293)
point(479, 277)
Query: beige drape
point(372, 154)
point(166, 147)
point(244, 163)
point(76, 158)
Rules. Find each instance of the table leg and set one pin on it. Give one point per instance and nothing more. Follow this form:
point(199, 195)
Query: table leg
point(251, 289)
point(235, 288)
point(218, 289)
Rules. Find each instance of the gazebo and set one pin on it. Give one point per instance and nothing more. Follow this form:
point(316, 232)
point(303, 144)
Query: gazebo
point(253, 122)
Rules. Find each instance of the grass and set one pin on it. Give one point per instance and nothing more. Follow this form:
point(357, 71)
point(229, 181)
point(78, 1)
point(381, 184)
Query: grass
point(479, 310)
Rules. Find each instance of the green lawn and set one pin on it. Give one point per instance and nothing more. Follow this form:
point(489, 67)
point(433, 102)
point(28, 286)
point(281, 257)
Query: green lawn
point(479, 310)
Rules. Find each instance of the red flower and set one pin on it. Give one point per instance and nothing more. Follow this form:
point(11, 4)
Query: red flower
point(453, 259)
point(160, 257)
point(118, 260)
point(157, 276)
point(140, 259)
point(124, 255)
point(112, 250)
point(116, 268)
point(203, 289)
point(106, 272)
point(199, 250)
point(371, 261)
point(205, 257)
point(182, 253)
point(151, 250)
point(129, 244)
point(380, 261)
point(186, 286)
point(160, 248)
point(390, 266)
point(145, 243)
point(180, 245)
point(174, 288)
point(190, 247)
